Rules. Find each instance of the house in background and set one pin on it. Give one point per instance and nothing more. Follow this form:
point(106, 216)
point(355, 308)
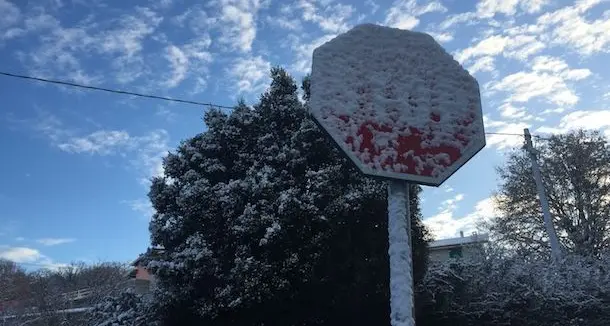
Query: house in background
point(445, 249)
point(142, 278)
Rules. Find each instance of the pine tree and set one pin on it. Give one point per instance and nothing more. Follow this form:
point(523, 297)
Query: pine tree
point(263, 221)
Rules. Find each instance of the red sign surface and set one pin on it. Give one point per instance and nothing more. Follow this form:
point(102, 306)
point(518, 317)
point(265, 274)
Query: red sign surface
point(397, 103)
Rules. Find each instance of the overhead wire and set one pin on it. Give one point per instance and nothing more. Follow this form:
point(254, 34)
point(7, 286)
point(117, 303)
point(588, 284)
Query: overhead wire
point(115, 91)
point(164, 98)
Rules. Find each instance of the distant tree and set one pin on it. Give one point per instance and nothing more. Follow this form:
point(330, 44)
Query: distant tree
point(14, 286)
point(263, 221)
point(576, 175)
point(49, 292)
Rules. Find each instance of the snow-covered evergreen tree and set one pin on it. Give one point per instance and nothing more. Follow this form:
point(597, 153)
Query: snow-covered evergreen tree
point(125, 309)
point(263, 222)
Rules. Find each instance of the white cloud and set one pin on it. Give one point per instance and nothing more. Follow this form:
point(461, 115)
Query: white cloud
point(455, 19)
point(28, 257)
point(149, 151)
point(54, 241)
point(374, 6)
point(102, 142)
point(507, 134)
point(548, 79)
point(404, 14)
point(191, 59)
point(482, 64)
point(179, 63)
point(507, 110)
point(489, 8)
point(251, 74)
point(435, 223)
point(332, 19)
point(569, 27)
point(142, 206)
point(20, 254)
point(132, 30)
point(60, 51)
point(288, 23)
point(239, 23)
point(522, 47)
point(490, 46)
point(303, 52)
point(441, 37)
point(583, 119)
point(10, 14)
point(144, 152)
point(48, 125)
point(445, 225)
point(196, 19)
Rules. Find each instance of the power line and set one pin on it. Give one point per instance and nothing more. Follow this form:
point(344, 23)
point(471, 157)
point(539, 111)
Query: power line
point(503, 134)
point(514, 134)
point(115, 91)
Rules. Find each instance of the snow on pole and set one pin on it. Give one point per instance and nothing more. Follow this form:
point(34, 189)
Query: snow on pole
point(544, 203)
point(401, 265)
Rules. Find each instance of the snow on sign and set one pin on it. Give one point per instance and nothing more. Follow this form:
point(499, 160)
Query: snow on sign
point(397, 103)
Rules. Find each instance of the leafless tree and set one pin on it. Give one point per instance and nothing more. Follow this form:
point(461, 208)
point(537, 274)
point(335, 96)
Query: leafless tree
point(62, 296)
point(576, 175)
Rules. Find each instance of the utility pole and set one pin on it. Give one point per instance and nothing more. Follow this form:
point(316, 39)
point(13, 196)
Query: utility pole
point(548, 221)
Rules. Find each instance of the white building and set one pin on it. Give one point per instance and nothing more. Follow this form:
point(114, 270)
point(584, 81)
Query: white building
point(444, 249)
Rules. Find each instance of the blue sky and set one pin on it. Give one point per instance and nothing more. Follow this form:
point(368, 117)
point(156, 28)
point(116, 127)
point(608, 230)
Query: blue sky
point(75, 163)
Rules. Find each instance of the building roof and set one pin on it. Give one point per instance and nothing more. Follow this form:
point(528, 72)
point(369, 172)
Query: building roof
point(459, 241)
point(151, 252)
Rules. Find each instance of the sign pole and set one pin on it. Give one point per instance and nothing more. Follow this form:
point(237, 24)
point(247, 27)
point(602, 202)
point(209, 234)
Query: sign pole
point(399, 250)
point(363, 94)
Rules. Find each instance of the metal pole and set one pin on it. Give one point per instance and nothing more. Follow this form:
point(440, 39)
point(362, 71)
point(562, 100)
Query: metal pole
point(401, 264)
point(546, 213)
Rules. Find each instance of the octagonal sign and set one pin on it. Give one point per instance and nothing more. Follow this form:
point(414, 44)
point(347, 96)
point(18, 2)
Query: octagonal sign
point(396, 103)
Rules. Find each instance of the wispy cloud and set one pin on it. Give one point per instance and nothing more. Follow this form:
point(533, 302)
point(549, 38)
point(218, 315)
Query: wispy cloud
point(102, 142)
point(548, 78)
point(584, 119)
point(20, 254)
point(404, 14)
point(446, 225)
point(490, 8)
point(191, 59)
point(504, 134)
point(250, 73)
point(55, 241)
point(239, 22)
point(144, 152)
point(142, 206)
point(62, 51)
point(10, 14)
point(330, 18)
point(569, 27)
point(304, 50)
point(179, 63)
point(131, 29)
point(28, 256)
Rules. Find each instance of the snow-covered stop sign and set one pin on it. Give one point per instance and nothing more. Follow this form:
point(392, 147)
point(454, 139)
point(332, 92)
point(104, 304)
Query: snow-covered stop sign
point(397, 103)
